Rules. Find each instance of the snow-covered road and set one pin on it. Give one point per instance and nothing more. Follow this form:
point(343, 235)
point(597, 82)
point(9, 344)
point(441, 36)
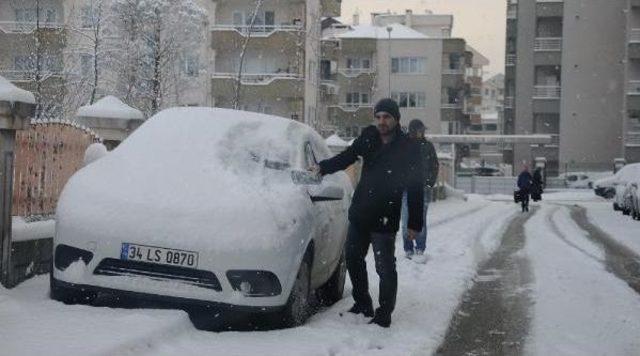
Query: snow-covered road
point(577, 307)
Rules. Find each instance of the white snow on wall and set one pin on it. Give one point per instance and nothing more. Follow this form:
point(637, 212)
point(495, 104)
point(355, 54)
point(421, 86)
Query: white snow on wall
point(110, 107)
point(10, 92)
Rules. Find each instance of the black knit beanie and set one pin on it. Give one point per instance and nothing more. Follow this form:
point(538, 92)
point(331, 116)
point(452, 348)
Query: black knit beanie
point(388, 105)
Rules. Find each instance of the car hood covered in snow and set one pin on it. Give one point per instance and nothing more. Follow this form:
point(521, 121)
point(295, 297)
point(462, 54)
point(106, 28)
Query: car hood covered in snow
point(194, 173)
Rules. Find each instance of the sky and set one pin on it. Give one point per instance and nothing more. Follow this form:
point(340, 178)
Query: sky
point(481, 22)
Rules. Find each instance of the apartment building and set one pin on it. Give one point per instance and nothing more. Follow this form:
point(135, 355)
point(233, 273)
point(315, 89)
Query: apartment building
point(281, 67)
point(565, 76)
point(493, 94)
point(365, 63)
point(32, 42)
point(422, 70)
point(631, 134)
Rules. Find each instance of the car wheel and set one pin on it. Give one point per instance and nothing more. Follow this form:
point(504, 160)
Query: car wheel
point(69, 295)
point(332, 291)
point(296, 311)
point(615, 207)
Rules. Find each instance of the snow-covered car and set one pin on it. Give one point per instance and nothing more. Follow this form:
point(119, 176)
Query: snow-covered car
point(635, 200)
point(621, 181)
point(606, 187)
point(577, 180)
point(206, 206)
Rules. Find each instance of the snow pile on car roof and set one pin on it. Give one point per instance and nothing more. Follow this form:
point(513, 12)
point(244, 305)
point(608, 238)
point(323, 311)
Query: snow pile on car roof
point(335, 140)
point(110, 107)
point(187, 169)
point(10, 92)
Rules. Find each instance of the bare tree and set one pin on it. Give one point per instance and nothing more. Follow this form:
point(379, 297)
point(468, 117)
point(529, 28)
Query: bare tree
point(245, 44)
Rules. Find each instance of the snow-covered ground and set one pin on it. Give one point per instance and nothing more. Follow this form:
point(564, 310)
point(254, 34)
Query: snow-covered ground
point(620, 227)
point(578, 307)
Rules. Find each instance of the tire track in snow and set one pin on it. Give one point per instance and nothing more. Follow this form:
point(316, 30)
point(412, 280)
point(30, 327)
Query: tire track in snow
point(619, 260)
point(493, 317)
point(556, 230)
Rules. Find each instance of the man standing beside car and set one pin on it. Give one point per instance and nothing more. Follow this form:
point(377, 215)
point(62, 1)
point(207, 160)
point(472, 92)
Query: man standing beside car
point(391, 165)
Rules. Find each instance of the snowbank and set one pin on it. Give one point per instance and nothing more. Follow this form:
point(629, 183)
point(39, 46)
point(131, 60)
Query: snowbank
point(110, 107)
point(23, 231)
point(10, 92)
point(94, 152)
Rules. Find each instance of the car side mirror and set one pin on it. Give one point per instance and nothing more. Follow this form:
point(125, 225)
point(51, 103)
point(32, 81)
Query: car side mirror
point(327, 193)
point(305, 178)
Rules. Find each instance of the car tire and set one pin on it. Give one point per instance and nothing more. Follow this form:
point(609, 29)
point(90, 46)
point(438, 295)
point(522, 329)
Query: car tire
point(296, 311)
point(615, 207)
point(625, 211)
point(68, 295)
point(331, 292)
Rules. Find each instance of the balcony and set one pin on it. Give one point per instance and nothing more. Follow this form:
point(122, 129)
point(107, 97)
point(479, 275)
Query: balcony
point(632, 139)
point(509, 102)
point(257, 30)
point(633, 88)
point(449, 71)
point(547, 44)
point(28, 27)
point(355, 72)
point(353, 107)
point(512, 12)
point(634, 35)
point(546, 92)
point(451, 106)
point(511, 60)
point(259, 78)
point(28, 75)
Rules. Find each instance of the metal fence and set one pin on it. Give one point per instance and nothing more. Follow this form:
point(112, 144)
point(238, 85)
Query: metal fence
point(497, 185)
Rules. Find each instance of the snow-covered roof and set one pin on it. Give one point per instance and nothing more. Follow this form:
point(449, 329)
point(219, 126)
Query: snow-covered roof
point(110, 107)
point(10, 92)
point(335, 140)
point(399, 32)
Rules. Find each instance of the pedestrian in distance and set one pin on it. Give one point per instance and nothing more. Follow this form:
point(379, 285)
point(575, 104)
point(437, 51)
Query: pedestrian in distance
point(391, 166)
point(525, 180)
point(537, 185)
point(415, 249)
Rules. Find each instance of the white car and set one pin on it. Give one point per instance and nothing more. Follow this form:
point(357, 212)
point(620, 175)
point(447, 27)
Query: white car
point(210, 206)
point(620, 182)
point(577, 180)
point(606, 187)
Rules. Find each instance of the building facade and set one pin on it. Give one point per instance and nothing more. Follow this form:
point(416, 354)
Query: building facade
point(565, 76)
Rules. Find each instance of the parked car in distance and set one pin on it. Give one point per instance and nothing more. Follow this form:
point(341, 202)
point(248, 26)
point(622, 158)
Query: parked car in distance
point(606, 187)
point(488, 172)
point(209, 207)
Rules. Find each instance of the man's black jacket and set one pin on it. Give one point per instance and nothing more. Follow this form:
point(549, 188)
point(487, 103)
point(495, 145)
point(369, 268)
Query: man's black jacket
point(388, 170)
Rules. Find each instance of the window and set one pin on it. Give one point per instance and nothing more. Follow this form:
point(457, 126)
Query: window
point(23, 63)
point(87, 17)
point(191, 66)
point(86, 64)
point(358, 63)
point(356, 98)
point(408, 65)
point(309, 156)
point(50, 15)
point(410, 99)
point(25, 15)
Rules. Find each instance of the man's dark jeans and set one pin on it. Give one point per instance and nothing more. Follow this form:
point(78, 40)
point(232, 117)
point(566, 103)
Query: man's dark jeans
point(358, 241)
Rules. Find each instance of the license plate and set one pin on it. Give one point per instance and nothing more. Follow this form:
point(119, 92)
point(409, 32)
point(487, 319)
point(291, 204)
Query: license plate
point(160, 255)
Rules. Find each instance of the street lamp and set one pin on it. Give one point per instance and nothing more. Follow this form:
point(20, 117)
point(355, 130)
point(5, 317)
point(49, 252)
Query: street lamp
point(389, 29)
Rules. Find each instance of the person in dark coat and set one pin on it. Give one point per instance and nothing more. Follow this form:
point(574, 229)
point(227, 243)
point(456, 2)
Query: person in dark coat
point(391, 165)
point(537, 185)
point(430, 166)
point(524, 184)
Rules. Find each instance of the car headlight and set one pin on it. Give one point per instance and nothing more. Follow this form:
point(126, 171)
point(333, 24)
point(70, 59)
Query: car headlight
point(254, 283)
point(65, 255)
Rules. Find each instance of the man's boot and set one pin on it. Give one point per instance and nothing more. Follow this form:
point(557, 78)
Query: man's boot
point(366, 310)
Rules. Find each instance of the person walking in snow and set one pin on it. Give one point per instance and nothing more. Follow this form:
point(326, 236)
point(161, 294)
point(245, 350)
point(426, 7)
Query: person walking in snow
point(391, 165)
point(524, 184)
point(430, 166)
point(537, 185)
